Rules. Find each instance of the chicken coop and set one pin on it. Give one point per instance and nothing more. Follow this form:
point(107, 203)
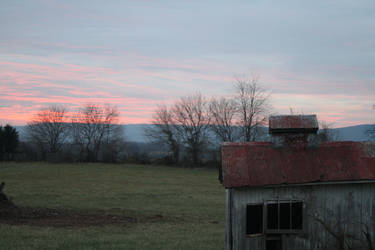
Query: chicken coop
point(298, 192)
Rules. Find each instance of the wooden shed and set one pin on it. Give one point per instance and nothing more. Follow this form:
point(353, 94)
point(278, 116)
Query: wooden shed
point(297, 192)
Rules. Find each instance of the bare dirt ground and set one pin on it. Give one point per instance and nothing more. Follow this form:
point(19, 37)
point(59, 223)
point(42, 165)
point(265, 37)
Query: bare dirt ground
point(48, 217)
point(51, 217)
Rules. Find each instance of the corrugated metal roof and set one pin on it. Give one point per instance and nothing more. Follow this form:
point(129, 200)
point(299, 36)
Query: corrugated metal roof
point(260, 163)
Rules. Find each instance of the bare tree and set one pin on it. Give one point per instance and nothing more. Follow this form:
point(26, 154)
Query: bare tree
point(340, 228)
point(94, 125)
point(371, 131)
point(327, 132)
point(222, 113)
point(114, 143)
point(253, 106)
point(190, 116)
point(49, 129)
point(164, 131)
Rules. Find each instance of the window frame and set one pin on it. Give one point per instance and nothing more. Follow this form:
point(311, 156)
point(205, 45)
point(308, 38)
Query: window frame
point(265, 229)
point(263, 208)
point(283, 231)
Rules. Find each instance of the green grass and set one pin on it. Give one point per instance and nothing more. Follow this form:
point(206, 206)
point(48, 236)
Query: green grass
point(190, 200)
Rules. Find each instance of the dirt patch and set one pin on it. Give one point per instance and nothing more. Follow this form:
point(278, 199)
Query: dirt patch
point(47, 217)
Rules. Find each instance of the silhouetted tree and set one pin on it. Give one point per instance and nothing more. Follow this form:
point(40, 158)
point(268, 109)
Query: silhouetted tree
point(253, 106)
point(49, 129)
point(327, 133)
point(222, 113)
point(114, 143)
point(93, 126)
point(8, 142)
point(191, 117)
point(164, 131)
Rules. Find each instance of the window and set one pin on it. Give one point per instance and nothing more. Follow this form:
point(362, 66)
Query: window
point(254, 222)
point(274, 217)
point(284, 216)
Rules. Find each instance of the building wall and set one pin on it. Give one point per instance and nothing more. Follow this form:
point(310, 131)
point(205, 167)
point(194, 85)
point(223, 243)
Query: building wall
point(333, 213)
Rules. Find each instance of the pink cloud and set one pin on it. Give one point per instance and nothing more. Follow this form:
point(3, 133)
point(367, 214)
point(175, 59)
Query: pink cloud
point(135, 88)
point(342, 110)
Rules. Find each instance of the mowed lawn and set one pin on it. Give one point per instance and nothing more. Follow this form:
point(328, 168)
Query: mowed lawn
point(173, 208)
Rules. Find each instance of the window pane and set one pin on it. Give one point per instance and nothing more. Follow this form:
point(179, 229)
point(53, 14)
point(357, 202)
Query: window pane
point(297, 214)
point(285, 215)
point(254, 223)
point(272, 216)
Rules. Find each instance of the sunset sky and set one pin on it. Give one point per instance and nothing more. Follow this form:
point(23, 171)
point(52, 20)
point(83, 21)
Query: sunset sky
point(313, 56)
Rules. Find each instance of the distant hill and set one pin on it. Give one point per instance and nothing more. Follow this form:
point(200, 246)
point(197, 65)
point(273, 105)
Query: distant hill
point(353, 133)
point(134, 132)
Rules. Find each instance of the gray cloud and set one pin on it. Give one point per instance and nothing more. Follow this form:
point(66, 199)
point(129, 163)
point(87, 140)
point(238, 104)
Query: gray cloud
point(299, 47)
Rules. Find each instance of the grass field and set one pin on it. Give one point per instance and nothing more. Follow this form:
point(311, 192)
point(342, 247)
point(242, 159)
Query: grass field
point(172, 208)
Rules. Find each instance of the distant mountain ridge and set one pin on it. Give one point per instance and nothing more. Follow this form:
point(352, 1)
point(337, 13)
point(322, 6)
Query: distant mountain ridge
point(354, 133)
point(134, 132)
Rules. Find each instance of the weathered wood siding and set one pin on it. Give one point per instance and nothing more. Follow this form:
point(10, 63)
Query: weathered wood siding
point(350, 207)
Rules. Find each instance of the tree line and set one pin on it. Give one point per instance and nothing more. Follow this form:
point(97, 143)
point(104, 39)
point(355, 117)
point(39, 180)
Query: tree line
point(189, 132)
point(195, 123)
point(92, 132)
point(182, 133)
point(89, 134)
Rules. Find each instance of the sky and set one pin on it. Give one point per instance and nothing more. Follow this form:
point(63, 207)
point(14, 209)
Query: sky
point(312, 56)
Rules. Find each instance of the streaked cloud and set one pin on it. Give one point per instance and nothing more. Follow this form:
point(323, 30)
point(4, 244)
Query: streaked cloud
point(316, 57)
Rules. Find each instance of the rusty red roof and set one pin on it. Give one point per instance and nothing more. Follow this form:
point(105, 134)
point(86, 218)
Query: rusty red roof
point(260, 163)
point(293, 123)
